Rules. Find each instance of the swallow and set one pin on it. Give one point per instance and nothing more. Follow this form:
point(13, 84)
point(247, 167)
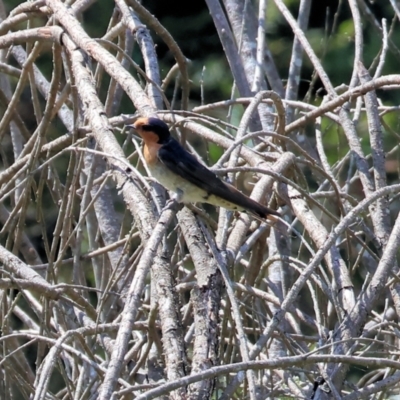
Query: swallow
point(180, 172)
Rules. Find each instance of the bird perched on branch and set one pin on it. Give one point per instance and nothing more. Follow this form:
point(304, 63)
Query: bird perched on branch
point(179, 171)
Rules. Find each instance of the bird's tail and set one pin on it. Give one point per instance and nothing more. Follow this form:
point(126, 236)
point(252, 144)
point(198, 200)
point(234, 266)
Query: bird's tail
point(264, 212)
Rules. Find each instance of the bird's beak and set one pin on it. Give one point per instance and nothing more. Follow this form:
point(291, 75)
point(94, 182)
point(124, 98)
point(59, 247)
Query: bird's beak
point(133, 128)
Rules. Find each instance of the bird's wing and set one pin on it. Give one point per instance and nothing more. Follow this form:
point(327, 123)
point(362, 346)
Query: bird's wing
point(182, 163)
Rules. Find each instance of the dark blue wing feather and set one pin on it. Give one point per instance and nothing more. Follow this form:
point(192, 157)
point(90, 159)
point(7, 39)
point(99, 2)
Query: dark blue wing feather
point(184, 164)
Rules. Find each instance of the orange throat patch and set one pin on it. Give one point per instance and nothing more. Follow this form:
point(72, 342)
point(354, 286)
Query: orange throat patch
point(150, 152)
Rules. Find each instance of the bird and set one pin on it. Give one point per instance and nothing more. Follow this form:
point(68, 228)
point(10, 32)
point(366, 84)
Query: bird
point(190, 181)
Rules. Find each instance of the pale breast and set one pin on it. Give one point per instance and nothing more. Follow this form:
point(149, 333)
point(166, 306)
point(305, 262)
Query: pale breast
point(188, 192)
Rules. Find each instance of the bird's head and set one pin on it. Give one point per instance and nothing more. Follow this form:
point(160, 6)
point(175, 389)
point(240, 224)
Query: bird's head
point(152, 129)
